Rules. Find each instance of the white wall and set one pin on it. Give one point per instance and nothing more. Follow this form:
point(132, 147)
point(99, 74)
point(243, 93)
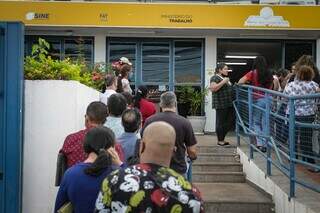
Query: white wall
point(301, 204)
point(53, 109)
point(100, 47)
point(210, 65)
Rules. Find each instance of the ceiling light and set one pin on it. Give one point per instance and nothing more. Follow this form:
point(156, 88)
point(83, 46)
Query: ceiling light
point(236, 63)
point(241, 56)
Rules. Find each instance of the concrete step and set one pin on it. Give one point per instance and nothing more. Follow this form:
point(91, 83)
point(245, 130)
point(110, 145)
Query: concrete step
point(215, 158)
point(218, 177)
point(234, 198)
point(217, 149)
point(216, 167)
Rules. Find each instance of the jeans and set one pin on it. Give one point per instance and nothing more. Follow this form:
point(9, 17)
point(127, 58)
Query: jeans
point(188, 174)
point(259, 120)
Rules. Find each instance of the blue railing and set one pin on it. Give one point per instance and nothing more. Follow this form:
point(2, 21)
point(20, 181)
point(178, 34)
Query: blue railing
point(269, 118)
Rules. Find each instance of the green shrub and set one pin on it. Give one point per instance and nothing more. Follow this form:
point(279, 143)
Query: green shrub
point(191, 96)
point(40, 66)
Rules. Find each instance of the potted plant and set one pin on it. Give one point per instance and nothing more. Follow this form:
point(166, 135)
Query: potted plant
point(183, 93)
point(194, 99)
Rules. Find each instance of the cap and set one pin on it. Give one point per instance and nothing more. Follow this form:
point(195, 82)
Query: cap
point(125, 60)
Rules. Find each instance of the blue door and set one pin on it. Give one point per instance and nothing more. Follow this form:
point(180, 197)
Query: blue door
point(1, 116)
point(11, 114)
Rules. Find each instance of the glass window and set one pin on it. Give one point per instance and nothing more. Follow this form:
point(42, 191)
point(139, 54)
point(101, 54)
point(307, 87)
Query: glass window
point(55, 49)
point(187, 66)
point(163, 62)
point(79, 49)
point(55, 46)
point(74, 47)
point(119, 49)
point(155, 62)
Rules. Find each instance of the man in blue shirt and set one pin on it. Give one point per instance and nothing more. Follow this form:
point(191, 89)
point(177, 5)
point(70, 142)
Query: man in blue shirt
point(131, 122)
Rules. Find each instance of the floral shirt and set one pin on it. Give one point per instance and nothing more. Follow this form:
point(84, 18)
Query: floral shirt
point(303, 107)
point(148, 188)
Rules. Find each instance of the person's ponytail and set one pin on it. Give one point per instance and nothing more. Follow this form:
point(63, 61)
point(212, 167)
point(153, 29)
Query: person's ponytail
point(98, 140)
point(142, 92)
point(136, 99)
point(119, 84)
point(102, 162)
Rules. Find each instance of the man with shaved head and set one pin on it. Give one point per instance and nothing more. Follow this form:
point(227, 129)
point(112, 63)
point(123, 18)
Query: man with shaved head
point(150, 186)
point(157, 144)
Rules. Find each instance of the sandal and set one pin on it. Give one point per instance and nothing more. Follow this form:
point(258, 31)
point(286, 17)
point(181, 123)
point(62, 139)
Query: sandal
point(223, 143)
point(262, 148)
point(314, 170)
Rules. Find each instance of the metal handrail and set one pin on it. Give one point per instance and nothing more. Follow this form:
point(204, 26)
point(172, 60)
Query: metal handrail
point(271, 142)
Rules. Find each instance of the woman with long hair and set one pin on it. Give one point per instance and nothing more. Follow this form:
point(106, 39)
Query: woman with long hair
point(80, 184)
point(222, 97)
point(140, 101)
point(259, 76)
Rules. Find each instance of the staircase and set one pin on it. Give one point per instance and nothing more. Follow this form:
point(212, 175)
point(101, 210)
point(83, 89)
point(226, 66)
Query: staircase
point(218, 174)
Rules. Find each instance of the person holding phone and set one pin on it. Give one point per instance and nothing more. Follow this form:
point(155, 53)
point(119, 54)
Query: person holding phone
point(81, 183)
point(222, 98)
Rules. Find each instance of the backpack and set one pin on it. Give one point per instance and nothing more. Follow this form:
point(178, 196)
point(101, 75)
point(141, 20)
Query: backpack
point(61, 168)
point(135, 158)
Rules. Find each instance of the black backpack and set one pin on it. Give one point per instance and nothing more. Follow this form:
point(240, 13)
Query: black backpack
point(135, 158)
point(61, 168)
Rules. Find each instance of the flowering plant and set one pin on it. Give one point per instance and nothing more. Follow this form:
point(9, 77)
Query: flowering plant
point(100, 70)
point(40, 66)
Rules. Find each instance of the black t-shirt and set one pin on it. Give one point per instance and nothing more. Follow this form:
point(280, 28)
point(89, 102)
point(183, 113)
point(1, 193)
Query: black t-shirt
point(184, 137)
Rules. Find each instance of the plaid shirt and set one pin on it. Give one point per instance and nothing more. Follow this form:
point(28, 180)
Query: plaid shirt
point(73, 148)
point(222, 98)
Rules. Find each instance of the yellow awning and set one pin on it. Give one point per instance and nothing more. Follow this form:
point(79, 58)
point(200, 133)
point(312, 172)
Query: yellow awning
point(171, 16)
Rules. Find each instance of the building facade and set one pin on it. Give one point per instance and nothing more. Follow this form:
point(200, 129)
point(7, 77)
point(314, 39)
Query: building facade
point(172, 44)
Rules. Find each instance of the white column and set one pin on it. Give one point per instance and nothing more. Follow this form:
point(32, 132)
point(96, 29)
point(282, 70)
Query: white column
point(318, 51)
point(100, 48)
point(210, 65)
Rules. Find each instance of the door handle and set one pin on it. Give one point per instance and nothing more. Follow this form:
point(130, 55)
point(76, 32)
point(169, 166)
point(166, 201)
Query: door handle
point(1, 175)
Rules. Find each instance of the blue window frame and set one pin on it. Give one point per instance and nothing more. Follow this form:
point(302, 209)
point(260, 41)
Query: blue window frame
point(155, 62)
point(159, 61)
point(75, 48)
